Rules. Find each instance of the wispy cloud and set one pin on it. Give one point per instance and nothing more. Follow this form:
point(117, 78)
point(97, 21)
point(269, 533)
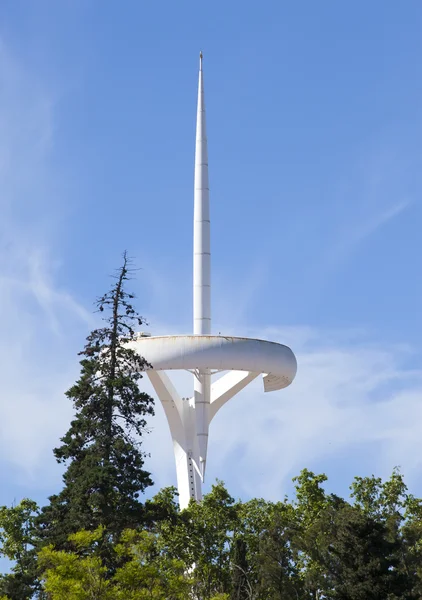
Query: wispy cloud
point(355, 234)
point(364, 203)
point(38, 319)
point(28, 203)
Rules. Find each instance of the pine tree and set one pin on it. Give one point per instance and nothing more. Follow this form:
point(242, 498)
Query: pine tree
point(105, 465)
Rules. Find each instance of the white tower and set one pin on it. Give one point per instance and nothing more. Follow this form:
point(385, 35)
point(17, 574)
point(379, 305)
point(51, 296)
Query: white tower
point(203, 354)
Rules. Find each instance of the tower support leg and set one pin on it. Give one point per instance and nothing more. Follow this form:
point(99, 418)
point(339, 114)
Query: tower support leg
point(189, 421)
point(181, 419)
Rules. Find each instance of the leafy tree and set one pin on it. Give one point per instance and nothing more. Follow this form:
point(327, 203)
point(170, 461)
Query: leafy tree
point(149, 573)
point(385, 500)
point(271, 534)
point(209, 527)
point(311, 500)
point(76, 575)
point(241, 588)
point(255, 518)
point(201, 537)
point(82, 575)
point(163, 508)
point(105, 465)
point(17, 544)
point(390, 503)
point(411, 538)
point(358, 560)
point(279, 557)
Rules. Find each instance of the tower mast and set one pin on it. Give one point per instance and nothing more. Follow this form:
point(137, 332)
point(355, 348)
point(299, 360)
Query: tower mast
point(201, 232)
point(201, 270)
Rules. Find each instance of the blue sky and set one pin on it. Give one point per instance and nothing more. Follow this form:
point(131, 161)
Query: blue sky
point(314, 125)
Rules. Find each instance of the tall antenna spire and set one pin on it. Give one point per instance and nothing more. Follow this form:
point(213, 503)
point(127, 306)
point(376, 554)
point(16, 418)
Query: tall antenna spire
point(201, 233)
point(201, 272)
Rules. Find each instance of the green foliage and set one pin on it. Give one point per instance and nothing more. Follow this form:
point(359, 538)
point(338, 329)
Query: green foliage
point(201, 536)
point(279, 558)
point(145, 574)
point(311, 501)
point(17, 544)
point(163, 508)
point(240, 569)
point(310, 496)
point(16, 525)
point(317, 546)
point(105, 465)
point(381, 499)
point(76, 575)
point(358, 559)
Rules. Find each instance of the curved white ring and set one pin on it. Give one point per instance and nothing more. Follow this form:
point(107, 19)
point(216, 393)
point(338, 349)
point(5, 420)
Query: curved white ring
point(224, 353)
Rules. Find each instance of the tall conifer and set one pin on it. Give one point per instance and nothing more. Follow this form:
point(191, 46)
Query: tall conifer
point(105, 471)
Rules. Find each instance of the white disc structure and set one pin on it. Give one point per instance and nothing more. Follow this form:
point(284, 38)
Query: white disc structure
point(204, 354)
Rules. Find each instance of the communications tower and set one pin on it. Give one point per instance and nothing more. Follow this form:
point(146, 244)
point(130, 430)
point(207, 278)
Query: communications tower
point(240, 360)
